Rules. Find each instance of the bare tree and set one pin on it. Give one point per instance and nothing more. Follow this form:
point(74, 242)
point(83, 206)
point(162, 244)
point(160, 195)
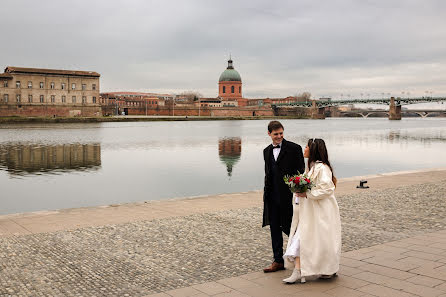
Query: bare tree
point(304, 96)
point(190, 96)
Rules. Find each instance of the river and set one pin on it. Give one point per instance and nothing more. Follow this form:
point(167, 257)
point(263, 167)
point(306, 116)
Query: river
point(55, 166)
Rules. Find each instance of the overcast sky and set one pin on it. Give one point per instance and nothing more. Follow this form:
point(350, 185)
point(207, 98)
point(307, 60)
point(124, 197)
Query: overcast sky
point(280, 48)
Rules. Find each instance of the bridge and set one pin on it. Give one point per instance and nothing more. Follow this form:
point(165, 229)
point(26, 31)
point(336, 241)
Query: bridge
point(365, 113)
point(317, 107)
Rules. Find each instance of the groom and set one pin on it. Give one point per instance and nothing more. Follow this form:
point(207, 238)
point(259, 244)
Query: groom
point(281, 158)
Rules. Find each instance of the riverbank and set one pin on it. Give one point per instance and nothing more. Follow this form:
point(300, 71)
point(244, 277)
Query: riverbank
point(161, 246)
point(135, 119)
point(67, 219)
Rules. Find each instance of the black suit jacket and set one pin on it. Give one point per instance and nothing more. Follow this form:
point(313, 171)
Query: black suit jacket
point(290, 161)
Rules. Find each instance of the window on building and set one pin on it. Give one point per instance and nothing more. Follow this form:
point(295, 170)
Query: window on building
point(239, 89)
point(5, 97)
point(64, 99)
point(63, 86)
point(53, 98)
point(232, 89)
point(84, 87)
point(5, 83)
point(84, 99)
point(18, 98)
point(224, 89)
point(93, 87)
point(30, 98)
point(94, 99)
point(73, 86)
point(30, 85)
point(52, 85)
point(42, 99)
point(41, 85)
point(17, 84)
point(73, 99)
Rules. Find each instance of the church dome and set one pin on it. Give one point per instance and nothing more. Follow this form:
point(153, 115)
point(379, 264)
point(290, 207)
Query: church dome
point(230, 74)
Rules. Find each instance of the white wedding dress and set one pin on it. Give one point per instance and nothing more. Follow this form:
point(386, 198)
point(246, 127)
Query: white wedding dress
point(293, 249)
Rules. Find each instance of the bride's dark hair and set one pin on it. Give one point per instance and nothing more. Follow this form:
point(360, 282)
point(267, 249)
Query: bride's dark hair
point(318, 152)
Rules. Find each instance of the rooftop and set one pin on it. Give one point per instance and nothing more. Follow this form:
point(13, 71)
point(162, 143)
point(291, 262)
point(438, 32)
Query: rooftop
point(12, 69)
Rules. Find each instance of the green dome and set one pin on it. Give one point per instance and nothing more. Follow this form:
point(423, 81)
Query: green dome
point(230, 74)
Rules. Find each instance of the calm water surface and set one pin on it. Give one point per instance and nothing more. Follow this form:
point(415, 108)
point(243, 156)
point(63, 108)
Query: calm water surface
point(54, 166)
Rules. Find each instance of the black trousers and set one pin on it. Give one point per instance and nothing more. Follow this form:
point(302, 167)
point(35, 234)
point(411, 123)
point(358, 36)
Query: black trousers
point(276, 231)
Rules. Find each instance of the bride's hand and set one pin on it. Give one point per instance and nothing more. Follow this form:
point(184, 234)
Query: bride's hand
point(301, 195)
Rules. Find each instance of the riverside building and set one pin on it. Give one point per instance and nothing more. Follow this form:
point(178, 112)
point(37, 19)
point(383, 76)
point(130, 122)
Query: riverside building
point(49, 92)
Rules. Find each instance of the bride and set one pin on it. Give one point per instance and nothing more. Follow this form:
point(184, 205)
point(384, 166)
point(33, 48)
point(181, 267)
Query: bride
point(314, 245)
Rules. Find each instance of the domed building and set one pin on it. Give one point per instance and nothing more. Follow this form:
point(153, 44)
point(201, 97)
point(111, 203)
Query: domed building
point(230, 83)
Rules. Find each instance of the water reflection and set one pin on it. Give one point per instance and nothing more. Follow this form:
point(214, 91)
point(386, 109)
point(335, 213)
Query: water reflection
point(229, 151)
point(25, 159)
point(398, 136)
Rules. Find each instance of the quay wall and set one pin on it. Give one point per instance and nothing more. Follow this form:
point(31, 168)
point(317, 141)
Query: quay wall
point(59, 110)
point(190, 111)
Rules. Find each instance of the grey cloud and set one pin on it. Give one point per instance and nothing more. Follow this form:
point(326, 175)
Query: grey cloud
point(280, 48)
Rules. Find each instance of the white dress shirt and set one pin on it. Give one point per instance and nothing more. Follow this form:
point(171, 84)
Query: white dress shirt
point(276, 151)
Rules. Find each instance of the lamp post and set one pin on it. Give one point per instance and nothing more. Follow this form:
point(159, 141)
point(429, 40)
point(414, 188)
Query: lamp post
point(199, 106)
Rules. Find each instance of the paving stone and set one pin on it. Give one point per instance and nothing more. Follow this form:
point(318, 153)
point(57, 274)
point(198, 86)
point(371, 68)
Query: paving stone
point(422, 255)
point(349, 271)
point(390, 272)
point(236, 282)
point(350, 282)
point(425, 281)
point(391, 263)
point(183, 292)
point(421, 262)
point(382, 291)
point(161, 255)
point(344, 292)
point(212, 288)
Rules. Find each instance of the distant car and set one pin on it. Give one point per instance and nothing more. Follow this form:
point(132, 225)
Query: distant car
point(123, 113)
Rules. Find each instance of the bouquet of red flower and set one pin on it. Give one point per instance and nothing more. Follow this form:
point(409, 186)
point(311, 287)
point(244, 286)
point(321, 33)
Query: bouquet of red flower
point(299, 183)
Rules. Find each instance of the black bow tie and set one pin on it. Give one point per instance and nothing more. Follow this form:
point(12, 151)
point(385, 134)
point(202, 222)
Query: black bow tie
point(277, 146)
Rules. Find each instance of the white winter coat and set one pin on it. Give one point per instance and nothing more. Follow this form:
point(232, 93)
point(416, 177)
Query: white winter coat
point(320, 229)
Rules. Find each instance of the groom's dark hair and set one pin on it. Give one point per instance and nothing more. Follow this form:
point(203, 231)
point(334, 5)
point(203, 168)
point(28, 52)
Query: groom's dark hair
point(274, 125)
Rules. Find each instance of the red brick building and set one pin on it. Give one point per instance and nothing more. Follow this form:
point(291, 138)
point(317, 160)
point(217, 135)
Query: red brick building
point(230, 84)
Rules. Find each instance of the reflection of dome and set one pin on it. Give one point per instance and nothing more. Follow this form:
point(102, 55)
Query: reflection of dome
point(229, 151)
point(230, 74)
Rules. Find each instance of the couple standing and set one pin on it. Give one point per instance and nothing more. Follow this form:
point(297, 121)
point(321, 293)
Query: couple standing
point(311, 219)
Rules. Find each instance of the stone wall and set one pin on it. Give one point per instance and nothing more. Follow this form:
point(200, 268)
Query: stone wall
point(31, 110)
point(190, 111)
point(293, 111)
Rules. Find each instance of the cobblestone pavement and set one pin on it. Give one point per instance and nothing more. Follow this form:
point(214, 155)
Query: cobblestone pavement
point(137, 259)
